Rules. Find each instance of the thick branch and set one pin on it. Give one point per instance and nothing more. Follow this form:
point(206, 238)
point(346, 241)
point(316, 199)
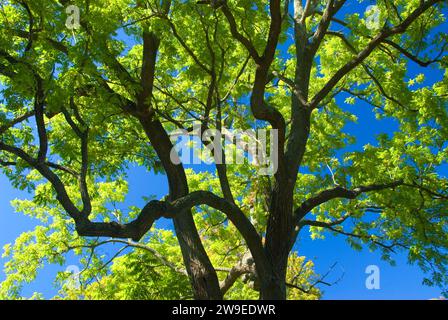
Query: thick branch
point(244, 266)
point(44, 170)
point(158, 209)
point(150, 48)
point(340, 192)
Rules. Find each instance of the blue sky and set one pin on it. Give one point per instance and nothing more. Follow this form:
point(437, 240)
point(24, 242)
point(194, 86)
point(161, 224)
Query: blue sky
point(400, 282)
point(396, 282)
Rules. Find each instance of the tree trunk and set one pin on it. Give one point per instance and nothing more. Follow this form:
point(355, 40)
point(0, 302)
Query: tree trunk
point(279, 232)
point(274, 289)
point(203, 277)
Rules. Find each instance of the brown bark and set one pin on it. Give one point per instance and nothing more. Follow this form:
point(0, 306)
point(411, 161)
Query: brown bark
point(270, 258)
point(200, 270)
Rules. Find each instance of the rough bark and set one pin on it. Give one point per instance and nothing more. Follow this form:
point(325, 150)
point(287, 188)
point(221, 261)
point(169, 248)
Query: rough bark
point(270, 257)
point(200, 270)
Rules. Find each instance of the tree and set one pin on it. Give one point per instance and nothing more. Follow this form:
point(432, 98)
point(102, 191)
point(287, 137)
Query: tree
point(143, 274)
point(81, 105)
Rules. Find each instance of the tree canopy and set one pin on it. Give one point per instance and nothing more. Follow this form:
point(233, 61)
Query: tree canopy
point(81, 104)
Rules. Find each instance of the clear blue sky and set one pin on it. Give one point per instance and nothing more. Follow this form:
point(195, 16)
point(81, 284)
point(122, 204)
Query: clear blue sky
point(400, 282)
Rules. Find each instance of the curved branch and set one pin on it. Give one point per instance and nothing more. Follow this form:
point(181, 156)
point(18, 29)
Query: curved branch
point(415, 58)
point(157, 209)
point(244, 266)
point(333, 6)
point(45, 171)
point(238, 36)
point(340, 192)
point(16, 121)
point(372, 45)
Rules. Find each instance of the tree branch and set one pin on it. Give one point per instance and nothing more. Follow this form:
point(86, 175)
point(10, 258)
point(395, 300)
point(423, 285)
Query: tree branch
point(372, 45)
point(333, 6)
point(340, 192)
point(238, 36)
point(15, 121)
point(415, 58)
point(150, 48)
point(245, 266)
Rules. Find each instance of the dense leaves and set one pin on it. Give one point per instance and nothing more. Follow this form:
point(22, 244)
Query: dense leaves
point(74, 102)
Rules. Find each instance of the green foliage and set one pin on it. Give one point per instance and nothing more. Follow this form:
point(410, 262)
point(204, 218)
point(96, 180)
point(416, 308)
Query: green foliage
point(88, 73)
